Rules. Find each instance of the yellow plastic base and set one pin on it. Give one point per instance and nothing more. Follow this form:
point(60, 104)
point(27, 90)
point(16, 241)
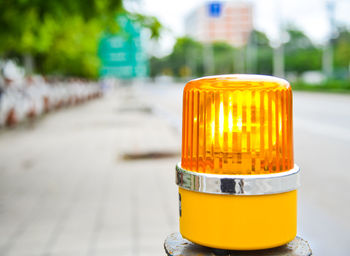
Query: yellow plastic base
point(238, 222)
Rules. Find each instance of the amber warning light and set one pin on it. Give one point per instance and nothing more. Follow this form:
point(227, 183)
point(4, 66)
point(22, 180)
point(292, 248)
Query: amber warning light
point(237, 178)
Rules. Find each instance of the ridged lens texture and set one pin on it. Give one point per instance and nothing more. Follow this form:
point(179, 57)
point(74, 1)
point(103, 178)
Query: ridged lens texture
point(237, 124)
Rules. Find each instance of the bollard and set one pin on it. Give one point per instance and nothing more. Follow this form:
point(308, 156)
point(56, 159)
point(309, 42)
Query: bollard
point(237, 178)
point(176, 245)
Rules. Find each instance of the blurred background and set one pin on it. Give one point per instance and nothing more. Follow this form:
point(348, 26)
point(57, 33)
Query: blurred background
point(91, 108)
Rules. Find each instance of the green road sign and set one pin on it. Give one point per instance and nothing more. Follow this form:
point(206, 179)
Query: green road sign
point(123, 55)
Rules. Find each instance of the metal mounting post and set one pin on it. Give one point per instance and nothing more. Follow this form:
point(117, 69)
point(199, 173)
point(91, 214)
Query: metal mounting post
point(176, 245)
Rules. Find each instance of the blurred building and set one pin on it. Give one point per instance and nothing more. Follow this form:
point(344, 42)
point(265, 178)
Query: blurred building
point(228, 21)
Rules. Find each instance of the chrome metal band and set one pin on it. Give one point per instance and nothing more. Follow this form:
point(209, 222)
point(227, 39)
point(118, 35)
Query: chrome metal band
point(256, 184)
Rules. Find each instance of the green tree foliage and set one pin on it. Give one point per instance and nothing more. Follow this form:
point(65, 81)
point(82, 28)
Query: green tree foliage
point(74, 51)
point(342, 49)
point(189, 55)
point(300, 53)
point(264, 52)
point(158, 66)
point(149, 22)
point(184, 61)
point(186, 55)
point(61, 35)
point(223, 58)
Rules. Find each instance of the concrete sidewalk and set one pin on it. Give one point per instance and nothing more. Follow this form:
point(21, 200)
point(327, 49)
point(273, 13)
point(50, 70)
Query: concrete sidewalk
point(65, 189)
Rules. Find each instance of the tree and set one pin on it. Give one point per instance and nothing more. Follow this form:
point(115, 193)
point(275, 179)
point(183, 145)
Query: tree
point(264, 52)
point(300, 53)
point(223, 58)
point(342, 48)
point(61, 35)
point(185, 59)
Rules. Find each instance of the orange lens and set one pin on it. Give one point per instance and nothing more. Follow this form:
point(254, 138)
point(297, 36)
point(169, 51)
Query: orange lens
point(237, 124)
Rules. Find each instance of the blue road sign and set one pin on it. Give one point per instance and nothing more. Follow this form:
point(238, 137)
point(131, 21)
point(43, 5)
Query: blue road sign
point(214, 9)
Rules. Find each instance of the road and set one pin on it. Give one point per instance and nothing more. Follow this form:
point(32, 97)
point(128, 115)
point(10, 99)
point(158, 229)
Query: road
point(65, 188)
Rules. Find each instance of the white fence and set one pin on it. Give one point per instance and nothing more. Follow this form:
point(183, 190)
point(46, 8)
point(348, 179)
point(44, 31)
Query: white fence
point(26, 101)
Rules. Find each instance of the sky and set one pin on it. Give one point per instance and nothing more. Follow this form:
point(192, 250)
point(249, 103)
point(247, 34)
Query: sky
point(309, 15)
